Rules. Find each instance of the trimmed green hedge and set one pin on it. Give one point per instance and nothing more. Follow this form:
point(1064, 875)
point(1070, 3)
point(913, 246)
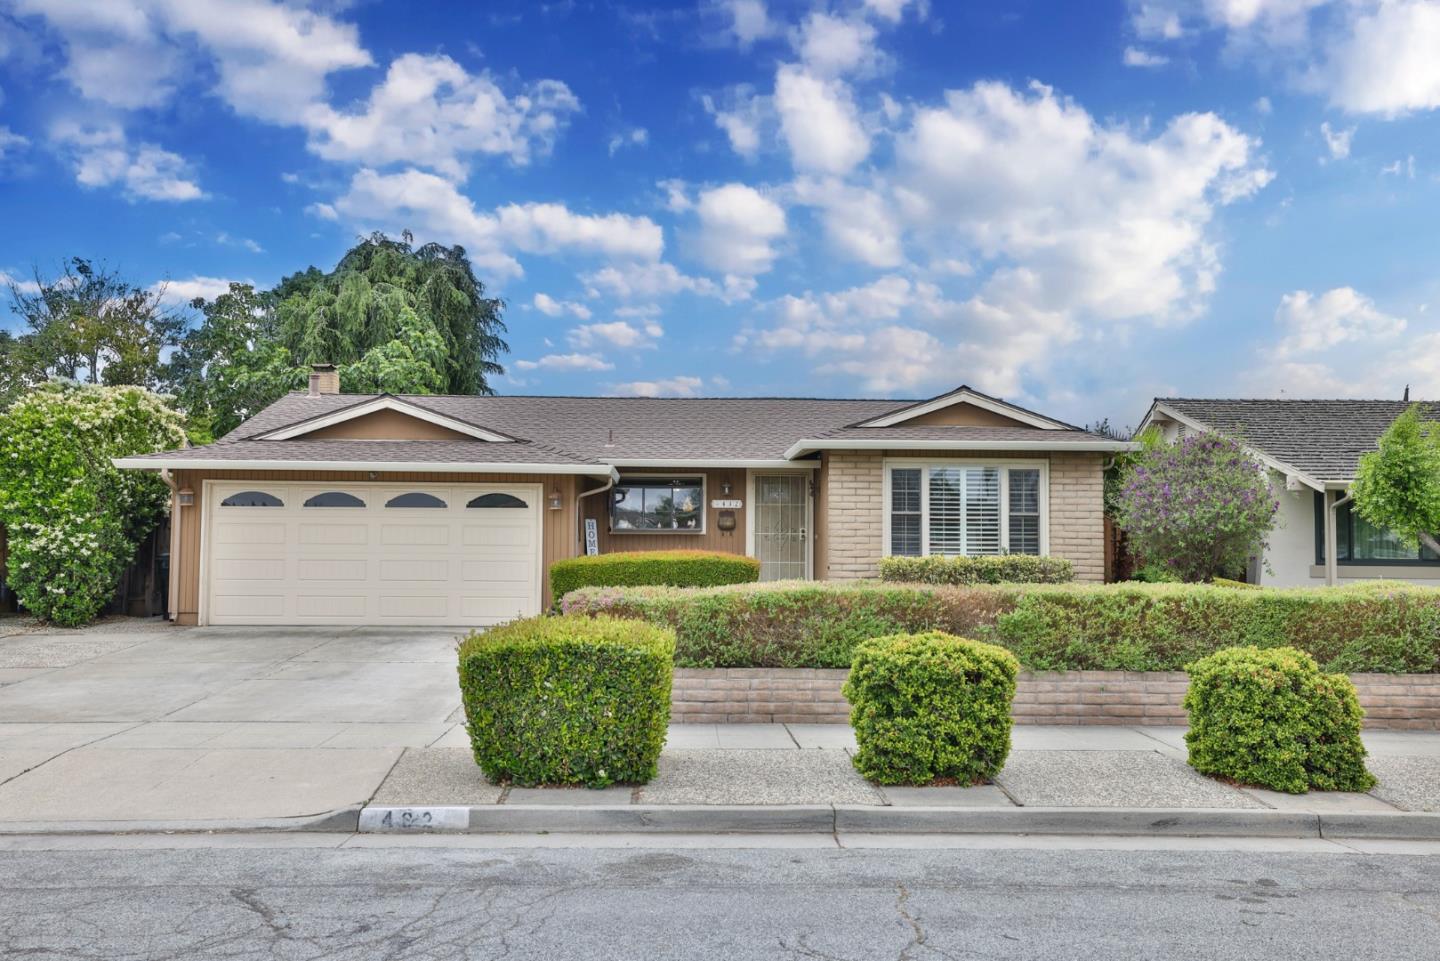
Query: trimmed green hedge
point(997, 569)
point(931, 707)
point(567, 700)
point(1384, 628)
point(666, 568)
point(1271, 718)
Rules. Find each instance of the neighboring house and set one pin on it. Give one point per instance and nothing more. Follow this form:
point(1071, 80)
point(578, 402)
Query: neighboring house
point(329, 508)
point(1312, 449)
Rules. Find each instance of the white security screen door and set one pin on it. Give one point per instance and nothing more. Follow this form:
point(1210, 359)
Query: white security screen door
point(782, 516)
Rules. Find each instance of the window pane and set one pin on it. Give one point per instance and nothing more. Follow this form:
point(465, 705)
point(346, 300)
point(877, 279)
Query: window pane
point(905, 535)
point(905, 512)
point(497, 500)
point(1024, 534)
point(334, 499)
point(905, 490)
point(252, 499)
point(1373, 544)
point(1025, 492)
point(415, 499)
point(662, 504)
point(1025, 511)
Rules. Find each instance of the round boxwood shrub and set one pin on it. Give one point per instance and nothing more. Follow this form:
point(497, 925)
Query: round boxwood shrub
point(644, 568)
point(931, 707)
point(561, 700)
point(1269, 717)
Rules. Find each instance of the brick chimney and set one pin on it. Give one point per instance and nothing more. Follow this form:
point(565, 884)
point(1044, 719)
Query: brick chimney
point(324, 379)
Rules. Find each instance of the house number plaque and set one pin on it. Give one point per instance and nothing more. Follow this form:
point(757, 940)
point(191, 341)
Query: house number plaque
point(727, 505)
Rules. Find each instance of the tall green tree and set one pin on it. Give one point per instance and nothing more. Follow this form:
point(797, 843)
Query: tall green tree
point(88, 324)
point(1397, 486)
point(391, 318)
point(385, 291)
point(231, 364)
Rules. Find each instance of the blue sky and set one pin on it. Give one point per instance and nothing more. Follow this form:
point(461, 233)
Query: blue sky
point(1077, 206)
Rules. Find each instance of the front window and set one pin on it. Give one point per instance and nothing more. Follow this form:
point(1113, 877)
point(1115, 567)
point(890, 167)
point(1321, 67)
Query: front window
point(641, 504)
point(965, 509)
point(1357, 541)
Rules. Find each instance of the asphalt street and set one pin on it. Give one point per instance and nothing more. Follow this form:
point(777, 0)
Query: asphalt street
point(436, 900)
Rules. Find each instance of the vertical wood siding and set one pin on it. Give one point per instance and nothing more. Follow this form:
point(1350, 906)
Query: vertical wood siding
point(712, 539)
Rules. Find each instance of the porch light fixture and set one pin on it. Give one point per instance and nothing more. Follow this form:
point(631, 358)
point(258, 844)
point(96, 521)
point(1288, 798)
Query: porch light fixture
point(185, 497)
point(725, 488)
point(556, 501)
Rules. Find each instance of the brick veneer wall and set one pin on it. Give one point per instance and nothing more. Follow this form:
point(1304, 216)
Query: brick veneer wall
point(803, 695)
point(854, 505)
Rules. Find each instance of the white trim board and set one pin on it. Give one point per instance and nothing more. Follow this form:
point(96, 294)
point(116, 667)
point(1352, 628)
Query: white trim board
point(681, 464)
point(801, 447)
point(965, 396)
point(375, 406)
point(361, 467)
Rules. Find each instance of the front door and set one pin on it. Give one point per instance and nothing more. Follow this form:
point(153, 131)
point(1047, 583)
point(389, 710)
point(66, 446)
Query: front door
point(782, 518)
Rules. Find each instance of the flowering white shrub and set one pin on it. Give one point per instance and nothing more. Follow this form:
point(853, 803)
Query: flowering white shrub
point(73, 520)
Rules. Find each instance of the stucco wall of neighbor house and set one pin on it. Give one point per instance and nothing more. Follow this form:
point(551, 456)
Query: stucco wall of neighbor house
point(853, 485)
point(560, 532)
point(1290, 551)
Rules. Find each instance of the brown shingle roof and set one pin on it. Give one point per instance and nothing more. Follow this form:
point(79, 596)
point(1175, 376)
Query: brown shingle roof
point(1320, 438)
point(598, 430)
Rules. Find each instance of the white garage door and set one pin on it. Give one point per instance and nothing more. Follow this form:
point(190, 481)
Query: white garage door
point(317, 553)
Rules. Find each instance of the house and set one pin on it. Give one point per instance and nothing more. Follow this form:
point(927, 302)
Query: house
point(330, 508)
point(1311, 449)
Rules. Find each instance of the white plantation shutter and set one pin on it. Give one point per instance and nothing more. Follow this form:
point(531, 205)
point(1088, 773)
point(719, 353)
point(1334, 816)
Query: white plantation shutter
point(982, 510)
point(947, 510)
point(964, 510)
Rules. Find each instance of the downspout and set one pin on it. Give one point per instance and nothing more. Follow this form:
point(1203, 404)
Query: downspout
point(1332, 560)
point(580, 514)
point(173, 574)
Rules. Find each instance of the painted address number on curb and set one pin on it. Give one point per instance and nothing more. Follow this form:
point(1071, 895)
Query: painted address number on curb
point(376, 819)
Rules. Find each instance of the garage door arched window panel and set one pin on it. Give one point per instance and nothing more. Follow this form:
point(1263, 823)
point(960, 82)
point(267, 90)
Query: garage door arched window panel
point(334, 499)
point(497, 500)
point(252, 499)
point(416, 499)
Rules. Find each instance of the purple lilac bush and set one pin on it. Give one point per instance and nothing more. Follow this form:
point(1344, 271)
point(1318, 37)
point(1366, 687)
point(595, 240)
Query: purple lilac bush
point(1200, 508)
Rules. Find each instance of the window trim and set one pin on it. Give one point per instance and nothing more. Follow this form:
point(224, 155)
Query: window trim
point(701, 479)
point(1006, 464)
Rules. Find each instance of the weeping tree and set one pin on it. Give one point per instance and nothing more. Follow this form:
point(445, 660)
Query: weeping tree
point(1397, 486)
point(393, 315)
point(392, 318)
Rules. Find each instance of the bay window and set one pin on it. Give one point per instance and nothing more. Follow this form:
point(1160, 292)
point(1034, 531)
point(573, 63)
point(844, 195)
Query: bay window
point(959, 508)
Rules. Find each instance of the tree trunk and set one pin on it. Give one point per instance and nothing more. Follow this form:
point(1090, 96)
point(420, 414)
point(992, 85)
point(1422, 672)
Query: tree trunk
point(1429, 541)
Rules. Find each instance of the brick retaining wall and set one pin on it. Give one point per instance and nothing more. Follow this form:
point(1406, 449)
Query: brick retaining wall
point(802, 695)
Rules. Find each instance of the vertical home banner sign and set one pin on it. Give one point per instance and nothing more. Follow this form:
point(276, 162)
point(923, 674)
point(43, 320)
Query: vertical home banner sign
point(592, 536)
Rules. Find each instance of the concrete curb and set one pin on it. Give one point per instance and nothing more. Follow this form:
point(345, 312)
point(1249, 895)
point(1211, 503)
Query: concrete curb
point(867, 819)
point(344, 820)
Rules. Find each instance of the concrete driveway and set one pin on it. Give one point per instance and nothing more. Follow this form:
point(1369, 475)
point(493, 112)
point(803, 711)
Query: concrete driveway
point(140, 720)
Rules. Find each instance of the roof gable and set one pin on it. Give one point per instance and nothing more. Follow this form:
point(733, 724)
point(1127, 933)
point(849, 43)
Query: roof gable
point(965, 407)
point(385, 417)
